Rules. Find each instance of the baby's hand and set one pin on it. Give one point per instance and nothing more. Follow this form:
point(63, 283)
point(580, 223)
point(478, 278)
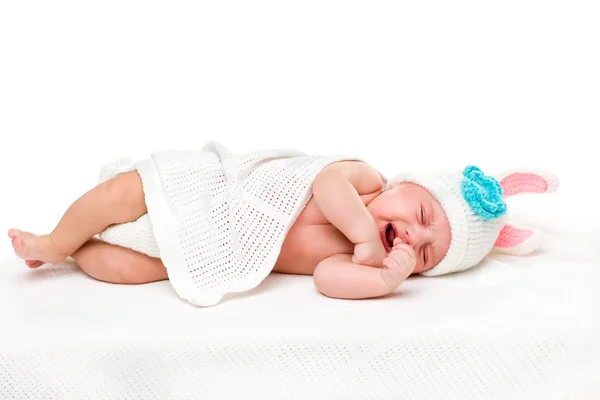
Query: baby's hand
point(369, 253)
point(398, 266)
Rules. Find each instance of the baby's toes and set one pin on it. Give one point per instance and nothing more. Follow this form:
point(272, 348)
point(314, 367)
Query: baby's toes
point(34, 263)
point(18, 245)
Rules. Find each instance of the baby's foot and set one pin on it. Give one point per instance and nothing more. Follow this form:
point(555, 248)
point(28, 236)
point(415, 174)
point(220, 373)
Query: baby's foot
point(36, 250)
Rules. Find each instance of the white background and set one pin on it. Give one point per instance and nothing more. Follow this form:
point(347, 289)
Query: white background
point(400, 84)
point(415, 84)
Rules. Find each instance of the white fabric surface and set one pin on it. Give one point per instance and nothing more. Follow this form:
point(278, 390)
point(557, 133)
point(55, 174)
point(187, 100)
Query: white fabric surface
point(218, 218)
point(513, 328)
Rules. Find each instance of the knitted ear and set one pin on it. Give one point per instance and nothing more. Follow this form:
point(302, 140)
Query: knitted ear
point(517, 240)
point(527, 181)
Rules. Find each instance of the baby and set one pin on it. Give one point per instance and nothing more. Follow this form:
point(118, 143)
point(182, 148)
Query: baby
point(221, 222)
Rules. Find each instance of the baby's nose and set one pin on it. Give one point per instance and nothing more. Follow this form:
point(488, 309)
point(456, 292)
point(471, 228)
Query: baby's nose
point(414, 236)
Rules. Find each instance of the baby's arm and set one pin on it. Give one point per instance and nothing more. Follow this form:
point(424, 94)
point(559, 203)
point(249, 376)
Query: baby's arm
point(337, 276)
point(336, 192)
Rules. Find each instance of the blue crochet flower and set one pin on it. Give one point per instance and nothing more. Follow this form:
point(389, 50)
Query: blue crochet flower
point(483, 193)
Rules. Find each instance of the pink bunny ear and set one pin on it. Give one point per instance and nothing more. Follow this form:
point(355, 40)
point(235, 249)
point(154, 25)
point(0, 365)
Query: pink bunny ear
point(527, 181)
point(517, 240)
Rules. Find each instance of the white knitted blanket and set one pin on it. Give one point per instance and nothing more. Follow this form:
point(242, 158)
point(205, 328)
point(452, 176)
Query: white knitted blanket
point(216, 219)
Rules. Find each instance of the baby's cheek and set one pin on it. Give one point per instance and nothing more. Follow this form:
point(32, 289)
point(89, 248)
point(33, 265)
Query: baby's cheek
point(420, 267)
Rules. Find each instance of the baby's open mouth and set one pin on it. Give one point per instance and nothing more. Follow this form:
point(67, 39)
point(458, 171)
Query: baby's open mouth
point(390, 235)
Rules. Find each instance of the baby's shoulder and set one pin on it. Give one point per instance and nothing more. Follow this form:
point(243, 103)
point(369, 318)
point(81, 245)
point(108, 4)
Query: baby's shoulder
point(363, 176)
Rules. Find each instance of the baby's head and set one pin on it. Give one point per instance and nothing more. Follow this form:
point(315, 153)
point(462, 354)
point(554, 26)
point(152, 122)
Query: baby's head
point(453, 219)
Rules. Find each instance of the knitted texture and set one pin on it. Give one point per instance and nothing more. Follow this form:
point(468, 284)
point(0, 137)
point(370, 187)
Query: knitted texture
point(483, 193)
point(471, 235)
point(514, 330)
point(511, 235)
point(474, 204)
point(531, 180)
point(137, 235)
point(517, 240)
point(521, 182)
point(218, 219)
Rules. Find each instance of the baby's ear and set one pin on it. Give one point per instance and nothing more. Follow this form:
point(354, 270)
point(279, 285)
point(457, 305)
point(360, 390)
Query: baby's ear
point(517, 240)
point(527, 180)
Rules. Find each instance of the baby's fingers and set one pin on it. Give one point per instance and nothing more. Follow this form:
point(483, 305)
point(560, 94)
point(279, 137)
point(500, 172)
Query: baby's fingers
point(404, 256)
point(396, 270)
point(395, 263)
point(403, 248)
point(388, 262)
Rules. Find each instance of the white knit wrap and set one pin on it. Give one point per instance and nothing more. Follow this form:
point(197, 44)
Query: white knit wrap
point(472, 237)
point(217, 219)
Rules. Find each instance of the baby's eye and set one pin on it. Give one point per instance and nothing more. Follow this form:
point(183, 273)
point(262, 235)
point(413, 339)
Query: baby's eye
point(422, 215)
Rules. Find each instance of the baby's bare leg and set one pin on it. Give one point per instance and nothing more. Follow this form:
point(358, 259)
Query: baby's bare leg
point(117, 200)
point(115, 264)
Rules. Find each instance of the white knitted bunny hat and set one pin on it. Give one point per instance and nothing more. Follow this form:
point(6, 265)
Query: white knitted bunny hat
point(475, 207)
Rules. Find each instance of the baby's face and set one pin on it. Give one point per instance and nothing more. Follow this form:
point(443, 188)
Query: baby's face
point(411, 213)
